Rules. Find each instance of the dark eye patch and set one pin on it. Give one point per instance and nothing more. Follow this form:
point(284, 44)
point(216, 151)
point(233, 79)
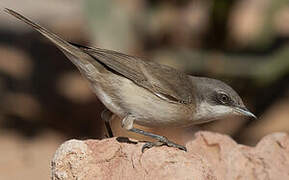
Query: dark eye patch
point(223, 98)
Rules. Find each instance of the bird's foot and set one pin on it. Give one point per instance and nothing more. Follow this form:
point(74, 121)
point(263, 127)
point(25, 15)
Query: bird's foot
point(162, 141)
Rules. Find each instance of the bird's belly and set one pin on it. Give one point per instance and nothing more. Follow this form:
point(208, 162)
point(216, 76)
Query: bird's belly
point(151, 110)
point(123, 97)
point(106, 92)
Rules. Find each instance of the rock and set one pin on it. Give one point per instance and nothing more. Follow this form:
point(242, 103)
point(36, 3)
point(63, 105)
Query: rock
point(210, 156)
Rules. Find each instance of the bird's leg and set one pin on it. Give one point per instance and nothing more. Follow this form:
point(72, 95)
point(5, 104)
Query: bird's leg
point(106, 116)
point(162, 140)
point(127, 123)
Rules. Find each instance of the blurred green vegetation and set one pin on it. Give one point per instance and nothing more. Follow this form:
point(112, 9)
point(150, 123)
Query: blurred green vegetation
point(160, 33)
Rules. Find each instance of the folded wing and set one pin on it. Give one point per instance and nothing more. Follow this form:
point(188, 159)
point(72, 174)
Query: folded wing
point(164, 81)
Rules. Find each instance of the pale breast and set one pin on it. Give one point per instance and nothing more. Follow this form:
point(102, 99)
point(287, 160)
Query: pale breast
point(151, 110)
point(123, 97)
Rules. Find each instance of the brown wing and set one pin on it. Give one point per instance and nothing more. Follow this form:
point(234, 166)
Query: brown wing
point(164, 81)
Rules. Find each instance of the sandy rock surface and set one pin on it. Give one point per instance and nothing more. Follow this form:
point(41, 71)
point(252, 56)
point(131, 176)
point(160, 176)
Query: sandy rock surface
point(210, 156)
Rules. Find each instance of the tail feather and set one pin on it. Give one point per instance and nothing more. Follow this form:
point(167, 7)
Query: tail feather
point(75, 54)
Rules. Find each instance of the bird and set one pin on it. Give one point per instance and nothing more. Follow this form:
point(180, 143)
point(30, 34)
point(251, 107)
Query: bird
point(147, 93)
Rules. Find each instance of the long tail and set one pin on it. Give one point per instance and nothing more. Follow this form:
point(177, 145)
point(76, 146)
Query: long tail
point(81, 59)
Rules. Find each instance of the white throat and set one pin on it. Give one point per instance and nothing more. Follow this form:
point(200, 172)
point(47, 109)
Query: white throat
point(207, 112)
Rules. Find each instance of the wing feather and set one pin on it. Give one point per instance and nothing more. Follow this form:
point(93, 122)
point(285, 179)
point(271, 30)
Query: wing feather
point(164, 81)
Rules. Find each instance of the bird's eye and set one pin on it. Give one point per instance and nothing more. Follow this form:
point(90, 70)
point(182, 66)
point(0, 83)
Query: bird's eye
point(223, 98)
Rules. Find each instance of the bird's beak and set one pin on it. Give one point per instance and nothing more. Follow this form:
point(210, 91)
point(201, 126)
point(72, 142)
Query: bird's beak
point(245, 112)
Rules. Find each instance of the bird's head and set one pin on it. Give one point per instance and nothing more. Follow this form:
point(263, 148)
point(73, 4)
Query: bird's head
point(217, 100)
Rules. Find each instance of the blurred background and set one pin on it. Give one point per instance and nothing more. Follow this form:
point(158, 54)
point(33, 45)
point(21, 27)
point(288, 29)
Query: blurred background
point(45, 101)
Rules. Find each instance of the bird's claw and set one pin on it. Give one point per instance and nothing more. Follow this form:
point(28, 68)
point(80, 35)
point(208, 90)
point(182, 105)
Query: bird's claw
point(172, 144)
point(161, 142)
point(147, 145)
point(165, 141)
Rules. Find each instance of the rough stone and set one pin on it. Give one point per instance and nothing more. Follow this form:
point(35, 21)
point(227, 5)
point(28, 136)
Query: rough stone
point(209, 156)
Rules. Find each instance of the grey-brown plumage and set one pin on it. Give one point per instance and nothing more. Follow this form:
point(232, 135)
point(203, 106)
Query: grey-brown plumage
point(145, 92)
point(157, 78)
